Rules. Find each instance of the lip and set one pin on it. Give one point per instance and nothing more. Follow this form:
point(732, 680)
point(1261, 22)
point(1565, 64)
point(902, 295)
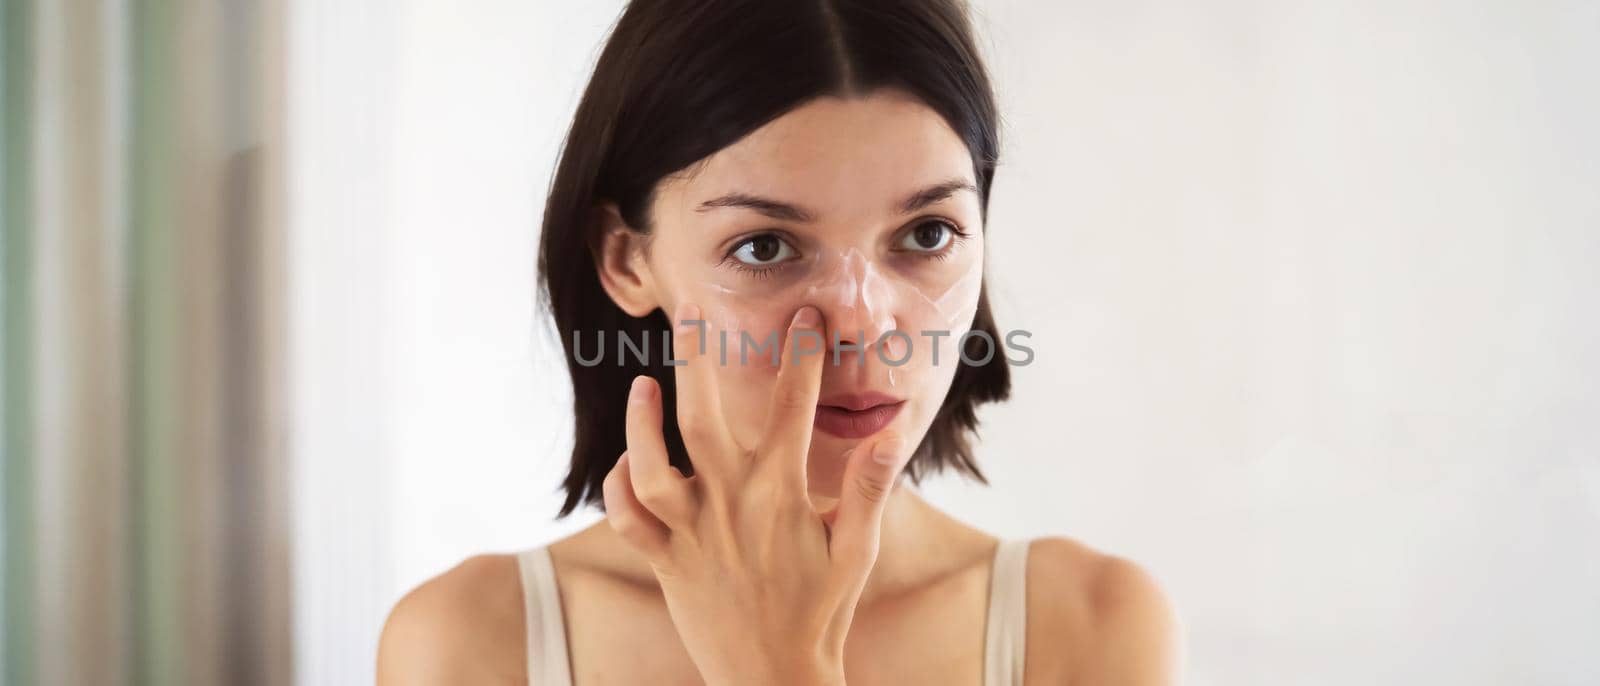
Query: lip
point(858, 401)
point(856, 415)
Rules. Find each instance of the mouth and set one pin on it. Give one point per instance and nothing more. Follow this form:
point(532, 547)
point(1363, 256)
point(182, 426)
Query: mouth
point(856, 415)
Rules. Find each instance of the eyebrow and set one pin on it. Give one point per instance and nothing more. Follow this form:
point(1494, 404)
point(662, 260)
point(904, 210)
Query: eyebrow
point(778, 209)
point(767, 206)
point(935, 193)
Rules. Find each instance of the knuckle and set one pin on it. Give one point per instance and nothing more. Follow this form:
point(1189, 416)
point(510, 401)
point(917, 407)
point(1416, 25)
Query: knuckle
point(692, 423)
point(685, 342)
point(872, 490)
point(613, 481)
point(654, 495)
point(695, 436)
point(621, 520)
point(635, 533)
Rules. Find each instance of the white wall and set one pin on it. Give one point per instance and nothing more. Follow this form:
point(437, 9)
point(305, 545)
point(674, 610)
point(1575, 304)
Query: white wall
point(1309, 287)
point(342, 394)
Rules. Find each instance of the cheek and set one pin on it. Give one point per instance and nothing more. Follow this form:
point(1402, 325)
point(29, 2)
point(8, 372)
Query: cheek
point(930, 352)
point(743, 336)
point(930, 322)
point(746, 321)
point(947, 305)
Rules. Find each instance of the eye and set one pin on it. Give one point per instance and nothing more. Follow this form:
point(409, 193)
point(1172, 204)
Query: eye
point(764, 250)
point(930, 236)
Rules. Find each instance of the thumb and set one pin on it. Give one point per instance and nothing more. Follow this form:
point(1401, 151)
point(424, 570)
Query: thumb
point(869, 477)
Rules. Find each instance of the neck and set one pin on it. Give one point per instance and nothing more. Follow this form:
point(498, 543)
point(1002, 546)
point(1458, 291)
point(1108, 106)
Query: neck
point(918, 541)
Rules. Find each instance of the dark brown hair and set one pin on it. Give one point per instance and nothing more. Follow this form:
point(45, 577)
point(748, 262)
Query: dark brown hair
point(679, 80)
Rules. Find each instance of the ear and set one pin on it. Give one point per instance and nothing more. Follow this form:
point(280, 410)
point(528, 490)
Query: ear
point(619, 259)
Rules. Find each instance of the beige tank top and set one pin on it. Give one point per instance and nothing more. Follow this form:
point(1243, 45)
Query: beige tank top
point(1005, 633)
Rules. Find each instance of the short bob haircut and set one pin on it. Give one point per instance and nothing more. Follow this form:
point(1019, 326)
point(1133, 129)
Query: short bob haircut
point(676, 82)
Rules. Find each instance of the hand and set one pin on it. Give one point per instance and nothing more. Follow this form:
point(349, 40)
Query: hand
point(760, 586)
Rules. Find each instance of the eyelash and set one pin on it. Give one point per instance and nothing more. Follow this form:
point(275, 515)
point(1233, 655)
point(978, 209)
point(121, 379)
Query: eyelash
point(757, 272)
point(958, 237)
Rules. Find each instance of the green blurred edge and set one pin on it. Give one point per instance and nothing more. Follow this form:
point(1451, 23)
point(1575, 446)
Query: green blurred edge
point(156, 546)
point(16, 297)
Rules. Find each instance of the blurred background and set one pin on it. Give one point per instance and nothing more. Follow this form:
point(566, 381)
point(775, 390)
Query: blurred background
point(1312, 285)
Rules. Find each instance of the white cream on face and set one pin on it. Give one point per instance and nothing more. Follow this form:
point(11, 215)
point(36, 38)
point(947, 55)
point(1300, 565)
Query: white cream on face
point(857, 291)
point(851, 167)
point(875, 303)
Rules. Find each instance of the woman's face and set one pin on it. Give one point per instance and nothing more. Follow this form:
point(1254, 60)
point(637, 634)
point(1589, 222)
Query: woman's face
point(864, 208)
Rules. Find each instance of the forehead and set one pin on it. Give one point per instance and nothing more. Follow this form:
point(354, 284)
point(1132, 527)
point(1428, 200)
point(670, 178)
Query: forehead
point(843, 155)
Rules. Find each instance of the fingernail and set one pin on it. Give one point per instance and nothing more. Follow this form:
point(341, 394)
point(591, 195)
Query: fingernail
point(640, 391)
point(687, 317)
point(807, 317)
point(887, 452)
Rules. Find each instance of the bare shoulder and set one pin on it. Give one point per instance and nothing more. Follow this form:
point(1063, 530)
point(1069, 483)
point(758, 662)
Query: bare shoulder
point(463, 626)
point(1097, 618)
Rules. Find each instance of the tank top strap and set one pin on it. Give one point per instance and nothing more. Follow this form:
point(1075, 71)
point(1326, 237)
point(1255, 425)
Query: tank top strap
point(1006, 633)
point(546, 629)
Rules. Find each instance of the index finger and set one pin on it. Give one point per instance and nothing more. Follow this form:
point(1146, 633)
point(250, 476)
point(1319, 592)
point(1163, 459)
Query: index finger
point(699, 403)
point(794, 400)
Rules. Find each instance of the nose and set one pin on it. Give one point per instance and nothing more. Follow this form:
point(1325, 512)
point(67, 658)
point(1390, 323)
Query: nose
point(857, 303)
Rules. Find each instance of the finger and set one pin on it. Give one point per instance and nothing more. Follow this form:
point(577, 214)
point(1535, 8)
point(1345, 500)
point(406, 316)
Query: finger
point(699, 403)
point(794, 401)
point(629, 517)
point(654, 481)
point(869, 478)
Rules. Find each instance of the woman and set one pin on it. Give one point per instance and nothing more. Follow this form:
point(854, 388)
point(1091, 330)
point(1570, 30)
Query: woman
point(803, 186)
